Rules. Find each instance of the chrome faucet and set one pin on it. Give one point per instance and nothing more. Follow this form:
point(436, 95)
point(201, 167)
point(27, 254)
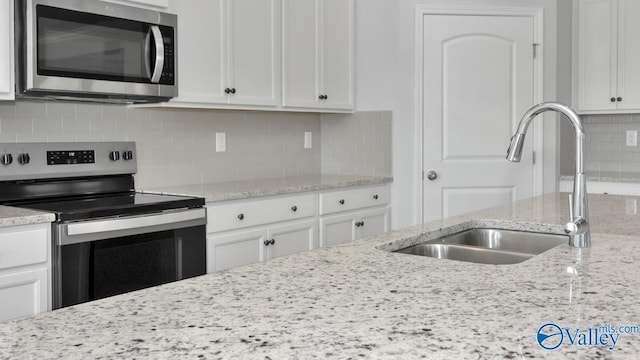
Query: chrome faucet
point(578, 226)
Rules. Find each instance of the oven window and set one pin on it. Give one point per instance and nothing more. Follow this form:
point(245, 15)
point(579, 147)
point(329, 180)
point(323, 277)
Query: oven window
point(98, 269)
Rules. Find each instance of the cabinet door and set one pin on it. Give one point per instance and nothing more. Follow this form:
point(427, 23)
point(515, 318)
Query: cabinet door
point(291, 238)
point(373, 222)
point(202, 56)
point(23, 293)
point(235, 249)
point(628, 54)
point(337, 54)
point(337, 229)
point(254, 52)
point(300, 49)
point(596, 55)
point(6, 50)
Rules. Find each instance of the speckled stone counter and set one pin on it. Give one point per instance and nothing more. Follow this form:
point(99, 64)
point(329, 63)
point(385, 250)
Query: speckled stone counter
point(234, 190)
point(358, 300)
point(12, 216)
point(608, 176)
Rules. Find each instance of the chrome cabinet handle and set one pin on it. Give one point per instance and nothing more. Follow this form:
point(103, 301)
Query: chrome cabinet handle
point(432, 175)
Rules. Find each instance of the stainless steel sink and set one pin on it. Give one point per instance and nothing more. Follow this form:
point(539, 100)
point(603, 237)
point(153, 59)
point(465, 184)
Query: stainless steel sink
point(487, 246)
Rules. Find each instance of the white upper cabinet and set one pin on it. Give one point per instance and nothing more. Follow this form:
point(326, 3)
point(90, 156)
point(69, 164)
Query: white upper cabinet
point(6, 51)
point(318, 54)
point(606, 56)
point(229, 52)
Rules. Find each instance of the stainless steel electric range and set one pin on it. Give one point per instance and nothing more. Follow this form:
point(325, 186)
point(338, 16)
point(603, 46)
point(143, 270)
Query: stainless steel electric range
point(107, 238)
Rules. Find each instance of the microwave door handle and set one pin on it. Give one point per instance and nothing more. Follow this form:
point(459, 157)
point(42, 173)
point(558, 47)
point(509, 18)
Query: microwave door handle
point(159, 46)
point(147, 54)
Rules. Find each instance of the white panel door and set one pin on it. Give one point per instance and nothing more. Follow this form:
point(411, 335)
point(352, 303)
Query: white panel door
point(202, 43)
point(300, 49)
point(235, 249)
point(597, 54)
point(6, 50)
point(628, 54)
point(373, 222)
point(254, 52)
point(23, 293)
point(478, 81)
point(337, 229)
point(337, 44)
point(291, 238)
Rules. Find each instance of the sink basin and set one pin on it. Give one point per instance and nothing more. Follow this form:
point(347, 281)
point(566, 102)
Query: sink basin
point(487, 246)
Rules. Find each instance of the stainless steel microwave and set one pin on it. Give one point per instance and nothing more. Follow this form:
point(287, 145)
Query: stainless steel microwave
point(95, 50)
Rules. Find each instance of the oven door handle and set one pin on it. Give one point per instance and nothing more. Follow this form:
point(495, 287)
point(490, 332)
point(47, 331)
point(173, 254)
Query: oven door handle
point(79, 232)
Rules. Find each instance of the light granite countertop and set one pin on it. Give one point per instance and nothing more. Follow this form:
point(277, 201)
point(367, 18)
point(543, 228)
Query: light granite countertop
point(358, 300)
point(608, 176)
point(13, 216)
point(234, 190)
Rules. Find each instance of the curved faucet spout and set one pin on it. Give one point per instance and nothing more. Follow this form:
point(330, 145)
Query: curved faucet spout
point(578, 226)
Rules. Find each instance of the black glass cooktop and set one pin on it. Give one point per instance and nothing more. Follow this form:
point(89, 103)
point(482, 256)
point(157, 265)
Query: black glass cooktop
point(123, 204)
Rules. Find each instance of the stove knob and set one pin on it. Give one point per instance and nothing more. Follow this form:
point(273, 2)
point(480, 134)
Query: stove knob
point(127, 155)
point(24, 158)
point(6, 159)
point(114, 155)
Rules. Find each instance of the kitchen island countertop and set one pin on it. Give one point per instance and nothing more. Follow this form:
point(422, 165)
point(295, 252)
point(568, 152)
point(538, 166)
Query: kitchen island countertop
point(358, 300)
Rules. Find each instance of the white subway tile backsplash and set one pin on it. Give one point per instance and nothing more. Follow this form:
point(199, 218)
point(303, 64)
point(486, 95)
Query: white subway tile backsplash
point(357, 144)
point(605, 148)
point(177, 147)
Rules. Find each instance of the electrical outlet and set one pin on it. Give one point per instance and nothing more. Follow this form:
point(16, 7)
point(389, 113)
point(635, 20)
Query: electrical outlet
point(307, 139)
point(221, 142)
point(632, 138)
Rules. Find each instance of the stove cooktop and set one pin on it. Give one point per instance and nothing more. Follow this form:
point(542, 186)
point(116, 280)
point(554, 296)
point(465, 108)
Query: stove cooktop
point(111, 205)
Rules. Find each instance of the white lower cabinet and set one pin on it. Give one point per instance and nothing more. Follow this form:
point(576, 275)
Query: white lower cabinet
point(243, 232)
point(248, 231)
point(25, 270)
point(338, 229)
point(346, 215)
point(243, 247)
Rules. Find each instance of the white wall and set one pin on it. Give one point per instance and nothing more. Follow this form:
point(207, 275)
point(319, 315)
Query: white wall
point(385, 34)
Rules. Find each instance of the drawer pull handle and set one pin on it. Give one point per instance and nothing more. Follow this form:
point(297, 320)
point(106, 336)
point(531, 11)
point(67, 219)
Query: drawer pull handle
point(269, 242)
point(341, 202)
point(294, 208)
point(360, 223)
point(375, 197)
point(241, 216)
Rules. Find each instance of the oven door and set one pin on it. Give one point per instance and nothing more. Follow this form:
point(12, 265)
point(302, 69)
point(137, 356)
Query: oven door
point(100, 258)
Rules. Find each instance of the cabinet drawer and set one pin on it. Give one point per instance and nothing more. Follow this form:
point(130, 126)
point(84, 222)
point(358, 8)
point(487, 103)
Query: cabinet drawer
point(23, 247)
point(245, 213)
point(346, 200)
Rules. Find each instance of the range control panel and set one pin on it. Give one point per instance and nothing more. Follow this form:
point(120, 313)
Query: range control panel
point(28, 161)
point(67, 157)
